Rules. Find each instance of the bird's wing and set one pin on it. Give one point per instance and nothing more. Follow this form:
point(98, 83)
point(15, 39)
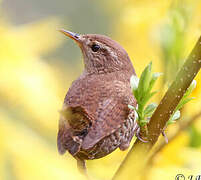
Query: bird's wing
point(110, 115)
point(73, 127)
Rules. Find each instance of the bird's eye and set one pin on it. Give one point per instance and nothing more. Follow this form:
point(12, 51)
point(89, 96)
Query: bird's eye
point(95, 47)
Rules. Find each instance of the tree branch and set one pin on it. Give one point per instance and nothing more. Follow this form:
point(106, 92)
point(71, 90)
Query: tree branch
point(137, 157)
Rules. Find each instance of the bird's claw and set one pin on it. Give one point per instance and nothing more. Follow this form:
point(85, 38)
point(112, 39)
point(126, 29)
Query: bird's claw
point(138, 136)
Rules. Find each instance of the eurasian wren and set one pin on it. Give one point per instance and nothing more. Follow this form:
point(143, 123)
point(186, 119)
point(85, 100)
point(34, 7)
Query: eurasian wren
point(95, 118)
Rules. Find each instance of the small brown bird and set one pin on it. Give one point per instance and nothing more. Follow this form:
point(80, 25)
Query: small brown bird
point(95, 118)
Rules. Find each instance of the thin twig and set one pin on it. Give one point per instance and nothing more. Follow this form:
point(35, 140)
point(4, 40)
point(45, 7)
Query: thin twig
point(182, 127)
point(138, 153)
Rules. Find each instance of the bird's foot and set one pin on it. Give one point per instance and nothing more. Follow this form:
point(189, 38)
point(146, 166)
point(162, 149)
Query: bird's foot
point(137, 134)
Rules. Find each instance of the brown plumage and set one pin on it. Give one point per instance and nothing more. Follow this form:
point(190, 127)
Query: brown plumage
point(95, 118)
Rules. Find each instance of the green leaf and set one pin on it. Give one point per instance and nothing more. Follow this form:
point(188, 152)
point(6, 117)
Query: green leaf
point(153, 80)
point(185, 99)
point(150, 109)
point(148, 77)
point(156, 75)
point(134, 81)
point(135, 93)
point(176, 115)
point(183, 102)
point(141, 89)
point(136, 115)
point(170, 122)
point(144, 81)
point(190, 89)
point(144, 121)
point(131, 107)
point(147, 97)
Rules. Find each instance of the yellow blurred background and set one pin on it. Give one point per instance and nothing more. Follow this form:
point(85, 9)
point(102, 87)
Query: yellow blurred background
point(38, 64)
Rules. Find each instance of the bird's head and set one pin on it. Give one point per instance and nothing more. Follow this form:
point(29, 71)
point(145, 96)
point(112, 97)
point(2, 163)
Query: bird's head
point(101, 54)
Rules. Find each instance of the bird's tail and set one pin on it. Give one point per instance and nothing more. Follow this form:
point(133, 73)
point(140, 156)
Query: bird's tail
point(66, 142)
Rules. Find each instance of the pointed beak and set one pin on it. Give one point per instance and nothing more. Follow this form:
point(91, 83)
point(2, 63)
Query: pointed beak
point(72, 35)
